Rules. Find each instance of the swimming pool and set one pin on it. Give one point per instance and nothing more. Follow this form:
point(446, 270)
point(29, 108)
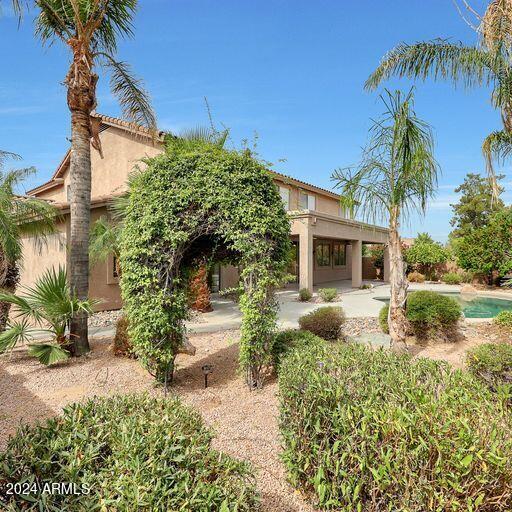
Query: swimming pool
point(475, 306)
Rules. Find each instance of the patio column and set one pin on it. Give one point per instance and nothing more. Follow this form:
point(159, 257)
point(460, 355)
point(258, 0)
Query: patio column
point(357, 263)
point(306, 259)
point(386, 264)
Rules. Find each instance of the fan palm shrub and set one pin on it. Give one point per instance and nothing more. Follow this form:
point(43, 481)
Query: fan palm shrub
point(43, 311)
point(90, 30)
point(397, 175)
point(20, 216)
point(488, 63)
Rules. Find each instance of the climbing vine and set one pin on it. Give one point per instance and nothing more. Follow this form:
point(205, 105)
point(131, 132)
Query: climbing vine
point(198, 202)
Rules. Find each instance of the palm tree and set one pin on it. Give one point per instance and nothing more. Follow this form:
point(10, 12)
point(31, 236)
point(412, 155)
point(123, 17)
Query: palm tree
point(20, 216)
point(50, 306)
point(397, 175)
point(488, 63)
point(90, 30)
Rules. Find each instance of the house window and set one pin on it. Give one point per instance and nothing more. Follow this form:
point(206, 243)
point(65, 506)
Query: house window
point(338, 254)
point(307, 201)
point(323, 254)
point(284, 192)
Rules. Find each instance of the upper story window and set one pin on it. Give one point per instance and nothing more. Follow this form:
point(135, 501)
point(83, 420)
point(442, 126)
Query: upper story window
point(284, 192)
point(323, 254)
point(307, 201)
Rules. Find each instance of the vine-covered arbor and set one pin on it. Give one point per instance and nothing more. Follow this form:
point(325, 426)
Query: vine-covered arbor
point(193, 203)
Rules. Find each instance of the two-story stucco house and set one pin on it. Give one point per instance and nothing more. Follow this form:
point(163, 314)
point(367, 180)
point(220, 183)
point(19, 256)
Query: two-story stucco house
point(328, 246)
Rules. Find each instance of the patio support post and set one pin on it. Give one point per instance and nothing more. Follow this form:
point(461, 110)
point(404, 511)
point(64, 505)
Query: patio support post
point(357, 263)
point(386, 264)
point(306, 259)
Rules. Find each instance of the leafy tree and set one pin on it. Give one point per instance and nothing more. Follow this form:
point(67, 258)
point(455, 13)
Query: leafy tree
point(487, 63)
point(20, 216)
point(194, 201)
point(424, 254)
point(475, 206)
point(90, 30)
point(50, 306)
point(397, 174)
point(488, 250)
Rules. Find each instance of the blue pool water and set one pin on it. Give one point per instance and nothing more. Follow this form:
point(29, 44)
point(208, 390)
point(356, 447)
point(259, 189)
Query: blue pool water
point(475, 306)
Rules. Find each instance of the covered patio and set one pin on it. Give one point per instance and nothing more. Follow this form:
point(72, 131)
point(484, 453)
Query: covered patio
point(330, 248)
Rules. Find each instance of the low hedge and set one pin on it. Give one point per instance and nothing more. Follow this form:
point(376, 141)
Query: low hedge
point(431, 314)
point(368, 430)
point(503, 319)
point(452, 278)
point(492, 364)
point(291, 339)
point(325, 322)
point(305, 295)
point(132, 452)
point(328, 294)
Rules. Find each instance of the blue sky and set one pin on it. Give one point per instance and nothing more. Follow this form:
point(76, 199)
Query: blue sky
point(290, 71)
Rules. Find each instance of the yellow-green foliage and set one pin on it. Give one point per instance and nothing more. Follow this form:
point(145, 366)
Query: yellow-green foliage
point(452, 278)
point(367, 430)
point(503, 319)
point(132, 452)
point(492, 364)
point(328, 294)
point(198, 200)
point(383, 318)
point(416, 277)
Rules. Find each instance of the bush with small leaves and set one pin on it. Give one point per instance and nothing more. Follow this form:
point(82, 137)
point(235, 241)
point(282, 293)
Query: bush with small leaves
point(305, 295)
point(492, 364)
point(383, 318)
point(122, 346)
point(369, 430)
point(328, 294)
point(289, 340)
point(129, 451)
point(452, 278)
point(416, 277)
point(430, 313)
point(325, 322)
point(503, 319)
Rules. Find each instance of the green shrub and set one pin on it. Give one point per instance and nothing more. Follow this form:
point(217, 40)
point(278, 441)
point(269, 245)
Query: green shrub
point(328, 294)
point(503, 319)
point(305, 295)
point(432, 313)
point(291, 339)
point(452, 278)
point(368, 430)
point(133, 452)
point(383, 318)
point(492, 364)
point(122, 346)
point(466, 276)
point(416, 277)
point(325, 322)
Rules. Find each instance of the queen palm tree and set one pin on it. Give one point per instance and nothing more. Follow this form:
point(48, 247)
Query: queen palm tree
point(486, 63)
point(90, 30)
point(19, 216)
point(397, 175)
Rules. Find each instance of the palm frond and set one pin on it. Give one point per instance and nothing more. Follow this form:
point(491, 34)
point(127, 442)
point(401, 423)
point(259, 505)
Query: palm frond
point(129, 91)
point(398, 169)
point(191, 137)
point(24, 307)
point(497, 146)
point(440, 60)
point(16, 332)
point(48, 353)
point(103, 240)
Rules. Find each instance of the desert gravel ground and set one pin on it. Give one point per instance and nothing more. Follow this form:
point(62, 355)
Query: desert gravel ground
point(245, 422)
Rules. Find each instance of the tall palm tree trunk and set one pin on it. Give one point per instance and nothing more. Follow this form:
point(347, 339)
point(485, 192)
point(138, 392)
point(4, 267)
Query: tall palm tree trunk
point(9, 278)
point(81, 82)
point(80, 213)
point(397, 320)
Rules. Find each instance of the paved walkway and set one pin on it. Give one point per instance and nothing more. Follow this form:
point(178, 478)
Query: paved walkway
point(356, 303)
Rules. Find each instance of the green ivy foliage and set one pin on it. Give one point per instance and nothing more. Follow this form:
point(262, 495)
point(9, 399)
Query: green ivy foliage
point(201, 201)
